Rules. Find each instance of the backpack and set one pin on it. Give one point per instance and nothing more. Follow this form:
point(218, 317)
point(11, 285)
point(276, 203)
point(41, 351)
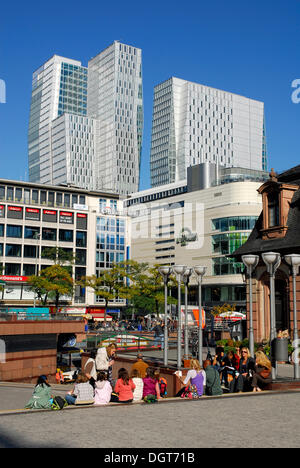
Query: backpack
point(150, 399)
point(163, 387)
point(58, 403)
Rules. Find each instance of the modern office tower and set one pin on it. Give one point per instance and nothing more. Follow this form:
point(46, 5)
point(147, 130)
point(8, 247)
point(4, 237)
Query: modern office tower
point(73, 150)
point(58, 87)
point(193, 124)
point(115, 99)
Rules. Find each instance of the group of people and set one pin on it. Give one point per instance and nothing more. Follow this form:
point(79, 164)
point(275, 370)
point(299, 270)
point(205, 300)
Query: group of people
point(240, 372)
point(235, 372)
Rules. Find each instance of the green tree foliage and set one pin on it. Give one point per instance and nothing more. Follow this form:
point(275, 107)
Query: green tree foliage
point(52, 283)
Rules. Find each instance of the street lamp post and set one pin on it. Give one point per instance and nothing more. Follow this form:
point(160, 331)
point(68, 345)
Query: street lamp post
point(179, 270)
point(200, 272)
point(294, 261)
point(250, 262)
point(186, 279)
point(272, 261)
point(37, 237)
point(165, 271)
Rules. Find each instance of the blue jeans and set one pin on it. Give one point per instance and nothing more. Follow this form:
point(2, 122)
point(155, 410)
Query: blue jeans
point(71, 399)
point(159, 340)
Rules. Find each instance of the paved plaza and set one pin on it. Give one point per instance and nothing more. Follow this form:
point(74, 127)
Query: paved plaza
point(268, 419)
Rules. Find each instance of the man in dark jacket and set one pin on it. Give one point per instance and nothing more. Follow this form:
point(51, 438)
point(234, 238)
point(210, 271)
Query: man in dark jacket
point(213, 384)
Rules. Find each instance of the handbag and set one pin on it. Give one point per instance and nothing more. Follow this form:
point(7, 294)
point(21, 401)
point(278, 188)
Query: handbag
point(265, 373)
point(190, 392)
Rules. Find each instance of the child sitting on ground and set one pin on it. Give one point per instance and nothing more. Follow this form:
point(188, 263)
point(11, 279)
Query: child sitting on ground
point(103, 389)
point(124, 388)
point(139, 385)
point(149, 391)
point(82, 393)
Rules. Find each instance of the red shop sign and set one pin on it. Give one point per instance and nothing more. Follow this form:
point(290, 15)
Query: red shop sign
point(49, 212)
point(14, 208)
point(32, 210)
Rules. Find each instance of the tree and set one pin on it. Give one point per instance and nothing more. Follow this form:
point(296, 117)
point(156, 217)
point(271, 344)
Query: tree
point(146, 289)
point(108, 285)
point(52, 282)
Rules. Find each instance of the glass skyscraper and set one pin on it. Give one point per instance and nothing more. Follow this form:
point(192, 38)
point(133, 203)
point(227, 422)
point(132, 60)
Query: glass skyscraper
point(100, 148)
point(58, 87)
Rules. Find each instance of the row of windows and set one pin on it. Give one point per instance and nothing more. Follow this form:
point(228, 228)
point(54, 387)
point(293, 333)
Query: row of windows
point(28, 269)
point(32, 232)
point(43, 197)
point(31, 251)
point(237, 223)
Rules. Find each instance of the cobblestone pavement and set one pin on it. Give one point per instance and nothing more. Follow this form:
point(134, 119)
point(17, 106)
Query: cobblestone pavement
point(247, 420)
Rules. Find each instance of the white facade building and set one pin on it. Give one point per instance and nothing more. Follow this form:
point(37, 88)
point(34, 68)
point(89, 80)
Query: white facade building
point(183, 224)
point(194, 124)
point(36, 217)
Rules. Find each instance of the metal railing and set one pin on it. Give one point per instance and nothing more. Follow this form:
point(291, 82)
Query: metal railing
point(12, 317)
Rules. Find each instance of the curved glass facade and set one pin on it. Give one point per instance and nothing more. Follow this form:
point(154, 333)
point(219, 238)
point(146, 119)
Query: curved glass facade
point(227, 242)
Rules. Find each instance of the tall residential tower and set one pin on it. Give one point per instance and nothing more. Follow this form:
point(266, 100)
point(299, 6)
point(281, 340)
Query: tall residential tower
point(193, 124)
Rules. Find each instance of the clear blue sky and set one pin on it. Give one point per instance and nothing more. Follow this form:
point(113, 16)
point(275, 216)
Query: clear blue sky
point(246, 47)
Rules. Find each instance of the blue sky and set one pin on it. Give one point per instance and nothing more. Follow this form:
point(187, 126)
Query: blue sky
point(246, 47)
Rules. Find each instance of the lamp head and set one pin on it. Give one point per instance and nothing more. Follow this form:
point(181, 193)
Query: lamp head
point(292, 259)
point(179, 269)
point(165, 270)
point(272, 260)
point(250, 261)
point(200, 270)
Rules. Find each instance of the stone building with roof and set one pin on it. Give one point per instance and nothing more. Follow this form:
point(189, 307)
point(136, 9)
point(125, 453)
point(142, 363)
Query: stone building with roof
point(276, 230)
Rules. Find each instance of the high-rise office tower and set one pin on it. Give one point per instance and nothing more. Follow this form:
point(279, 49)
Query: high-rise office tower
point(193, 123)
point(58, 87)
point(115, 99)
point(86, 124)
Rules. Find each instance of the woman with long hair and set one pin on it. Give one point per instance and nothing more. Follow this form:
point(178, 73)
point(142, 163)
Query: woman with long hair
point(105, 359)
point(195, 376)
point(245, 372)
point(41, 397)
point(124, 387)
point(262, 375)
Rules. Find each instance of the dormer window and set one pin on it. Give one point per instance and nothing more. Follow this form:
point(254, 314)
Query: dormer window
point(273, 209)
point(276, 197)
